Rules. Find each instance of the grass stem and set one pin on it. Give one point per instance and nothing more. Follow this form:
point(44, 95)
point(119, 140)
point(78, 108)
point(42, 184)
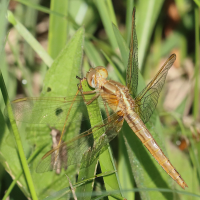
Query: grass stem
point(17, 138)
point(196, 74)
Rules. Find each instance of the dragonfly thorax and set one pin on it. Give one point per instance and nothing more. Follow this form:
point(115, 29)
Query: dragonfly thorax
point(126, 102)
point(117, 96)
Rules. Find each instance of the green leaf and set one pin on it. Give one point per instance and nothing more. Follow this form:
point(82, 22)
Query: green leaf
point(106, 161)
point(61, 78)
point(95, 117)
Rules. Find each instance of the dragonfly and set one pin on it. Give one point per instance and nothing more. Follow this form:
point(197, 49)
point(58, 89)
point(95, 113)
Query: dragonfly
point(125, 103)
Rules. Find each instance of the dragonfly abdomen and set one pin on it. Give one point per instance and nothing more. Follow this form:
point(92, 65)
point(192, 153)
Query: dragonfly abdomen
point(146, 138)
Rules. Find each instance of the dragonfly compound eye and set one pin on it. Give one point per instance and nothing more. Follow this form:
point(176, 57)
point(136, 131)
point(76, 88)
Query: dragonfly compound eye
point(95, 75)
point(91, 77)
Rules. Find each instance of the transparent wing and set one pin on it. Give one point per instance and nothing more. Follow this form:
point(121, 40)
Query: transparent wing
point(46, 110)
point(147, 99)
point(84, 148)
point(132, 68)
point(49, 110)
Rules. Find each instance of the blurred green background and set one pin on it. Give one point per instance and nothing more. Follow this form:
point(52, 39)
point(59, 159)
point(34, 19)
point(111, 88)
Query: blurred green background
point(32, 35)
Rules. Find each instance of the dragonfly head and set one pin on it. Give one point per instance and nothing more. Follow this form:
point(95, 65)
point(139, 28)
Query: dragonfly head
point(95, 75)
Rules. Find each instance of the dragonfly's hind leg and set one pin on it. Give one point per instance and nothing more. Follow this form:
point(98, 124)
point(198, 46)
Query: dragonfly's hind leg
point(107, 112)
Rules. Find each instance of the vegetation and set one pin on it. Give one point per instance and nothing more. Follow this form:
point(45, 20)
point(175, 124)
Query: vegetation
point(44, 45)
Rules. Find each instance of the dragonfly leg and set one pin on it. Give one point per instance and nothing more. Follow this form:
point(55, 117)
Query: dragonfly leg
point(86, 93)
point(79, 78)
point(89, 92)
point(106, 109)
point(92, 99)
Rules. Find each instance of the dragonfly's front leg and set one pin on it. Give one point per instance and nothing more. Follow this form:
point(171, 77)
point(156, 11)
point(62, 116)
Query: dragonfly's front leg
point(88, 92)
point(93, 98)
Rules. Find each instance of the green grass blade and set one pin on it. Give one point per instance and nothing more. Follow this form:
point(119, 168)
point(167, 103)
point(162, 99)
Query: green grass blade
point(93, 54)
point(196, 73)
point(93, 110)
point(124, 50)
point(121, 78)
point(17, 138)
point(60, 81)
point(30, 23)
point(25, 75)
point(63, 192)
point(106, 160)
point(112, 181)
point(3, 9)
point(146, 16)
point(111, 11)
point(12, 121)
point(41, 8)
point(8, 191)
point(101, 6)
point(30, 39)
point(129, 10)
point(48, 11)
point(124, 169)
point(58, 28)
point(197, 2)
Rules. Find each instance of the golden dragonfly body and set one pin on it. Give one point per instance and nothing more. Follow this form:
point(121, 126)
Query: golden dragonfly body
point(127, 105)
point(120, 100)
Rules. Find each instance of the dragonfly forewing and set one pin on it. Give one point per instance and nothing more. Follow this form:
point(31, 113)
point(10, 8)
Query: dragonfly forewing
point(51, 110)
point(132, 67)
